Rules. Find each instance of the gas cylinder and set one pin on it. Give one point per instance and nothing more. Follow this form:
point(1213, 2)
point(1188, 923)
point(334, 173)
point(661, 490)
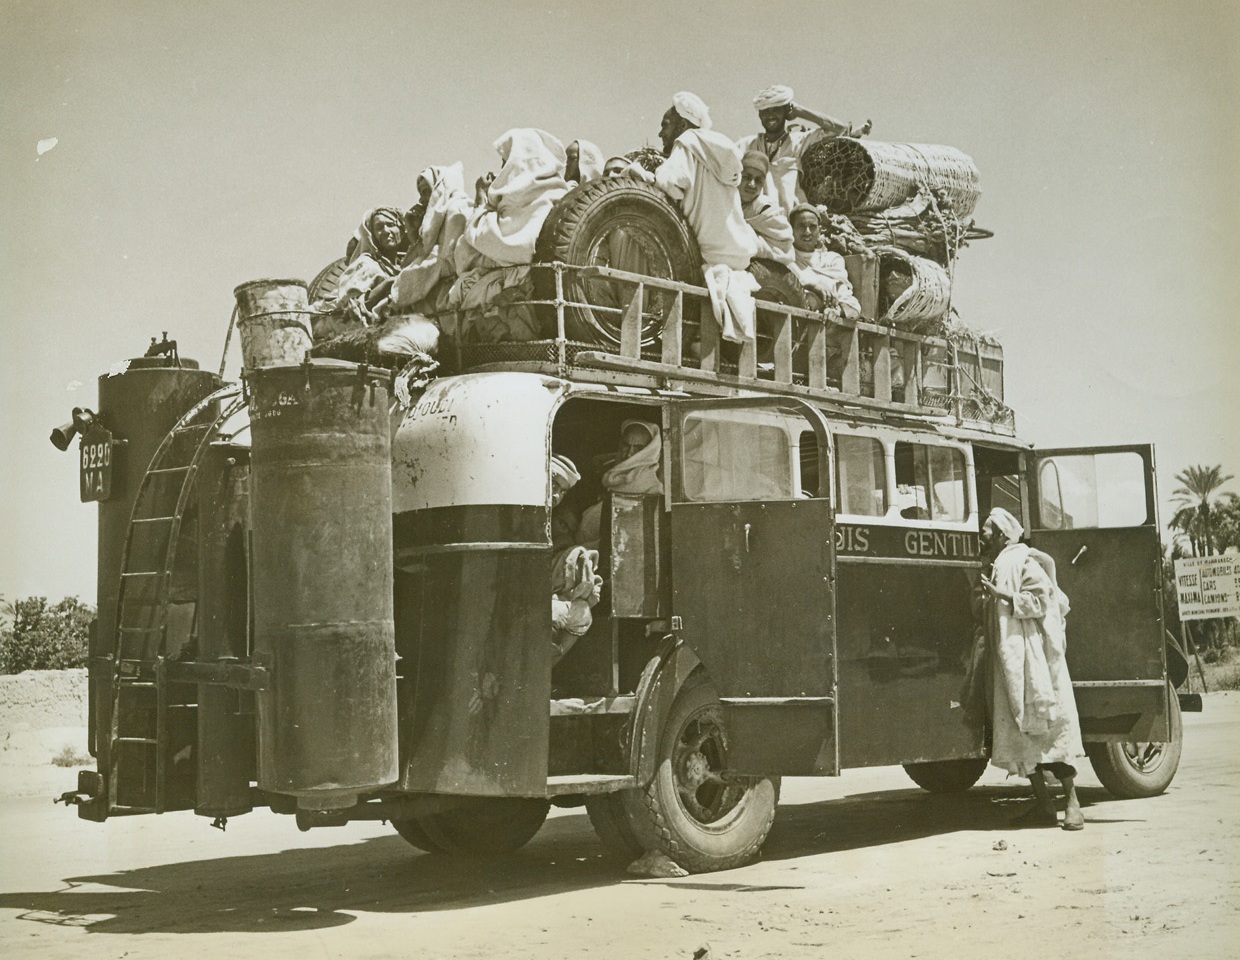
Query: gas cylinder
point(321, 520)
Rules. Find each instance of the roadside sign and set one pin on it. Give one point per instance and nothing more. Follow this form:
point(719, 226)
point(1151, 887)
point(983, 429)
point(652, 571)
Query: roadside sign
point(97, 463)
point(1208, 587)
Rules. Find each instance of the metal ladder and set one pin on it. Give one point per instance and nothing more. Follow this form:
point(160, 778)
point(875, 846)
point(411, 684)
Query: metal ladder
point(143, 598)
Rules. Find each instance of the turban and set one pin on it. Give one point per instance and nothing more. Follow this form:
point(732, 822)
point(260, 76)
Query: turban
point(756, 160)
point(776, 96)
point(692, 108)
point(564, 472)
point(801, 208)
point(1006, 524)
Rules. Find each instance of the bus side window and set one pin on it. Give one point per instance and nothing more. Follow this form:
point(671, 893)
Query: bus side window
point(730, 458)
point(930, 482)
point(860, 476)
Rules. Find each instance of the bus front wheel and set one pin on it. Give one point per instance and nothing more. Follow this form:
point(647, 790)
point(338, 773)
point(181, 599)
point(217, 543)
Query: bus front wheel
point(1134, 770)
point(691, 811)
point(946, 776)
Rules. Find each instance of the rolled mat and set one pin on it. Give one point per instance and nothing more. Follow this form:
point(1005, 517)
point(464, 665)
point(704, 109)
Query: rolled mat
point(849, 176)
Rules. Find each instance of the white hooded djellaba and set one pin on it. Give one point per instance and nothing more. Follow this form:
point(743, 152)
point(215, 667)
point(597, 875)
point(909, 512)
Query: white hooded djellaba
point(1034, 716)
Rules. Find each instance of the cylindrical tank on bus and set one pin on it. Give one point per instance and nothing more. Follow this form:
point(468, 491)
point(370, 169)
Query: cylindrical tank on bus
point(139, 406)
point(321, 520)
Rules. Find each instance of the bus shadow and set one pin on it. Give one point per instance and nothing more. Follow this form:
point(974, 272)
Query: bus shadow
point(890, 816)
point(323, 887)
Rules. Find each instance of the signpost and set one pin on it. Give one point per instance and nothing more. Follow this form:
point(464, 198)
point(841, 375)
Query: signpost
point(1208, 587)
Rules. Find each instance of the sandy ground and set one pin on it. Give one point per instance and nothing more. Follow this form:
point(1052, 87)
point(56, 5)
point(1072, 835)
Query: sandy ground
point(860, 866)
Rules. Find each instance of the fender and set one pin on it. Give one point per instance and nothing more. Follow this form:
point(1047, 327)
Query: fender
point(660, 681)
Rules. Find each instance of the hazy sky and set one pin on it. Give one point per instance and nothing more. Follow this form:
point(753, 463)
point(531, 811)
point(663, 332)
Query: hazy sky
point(201, 145)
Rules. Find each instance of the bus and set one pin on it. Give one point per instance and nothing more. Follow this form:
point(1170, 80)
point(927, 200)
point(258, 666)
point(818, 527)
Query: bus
point(321, 600)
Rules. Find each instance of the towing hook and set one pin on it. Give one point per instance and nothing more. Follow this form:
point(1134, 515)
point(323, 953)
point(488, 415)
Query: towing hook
point(220, 823)
point(71, 798)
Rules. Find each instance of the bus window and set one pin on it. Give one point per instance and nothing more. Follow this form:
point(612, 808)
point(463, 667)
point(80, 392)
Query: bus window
point(736, 458)
point(861, 476)
point(1092, 490)
point(930, 482)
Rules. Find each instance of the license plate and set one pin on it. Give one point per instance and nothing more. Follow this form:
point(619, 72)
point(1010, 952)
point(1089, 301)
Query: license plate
point(96, 465)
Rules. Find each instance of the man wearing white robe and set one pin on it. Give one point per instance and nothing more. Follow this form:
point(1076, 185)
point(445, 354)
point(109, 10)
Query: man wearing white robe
point(782, 146)
point(817, 268)
point(702, 172)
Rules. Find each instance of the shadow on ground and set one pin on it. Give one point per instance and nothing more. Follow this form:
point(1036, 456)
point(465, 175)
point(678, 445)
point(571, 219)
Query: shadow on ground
point(324, 887)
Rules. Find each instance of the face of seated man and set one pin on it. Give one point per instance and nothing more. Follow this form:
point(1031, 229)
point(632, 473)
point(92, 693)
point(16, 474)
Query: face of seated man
point(672, 126)
point(774, 120)
point(806, 232)
point(614, 167)
point(633, 440)
point(751, 183)
point(388, 233)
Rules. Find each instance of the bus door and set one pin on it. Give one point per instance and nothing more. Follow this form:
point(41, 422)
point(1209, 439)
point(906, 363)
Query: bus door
point(1093, 509)
point(753, 575)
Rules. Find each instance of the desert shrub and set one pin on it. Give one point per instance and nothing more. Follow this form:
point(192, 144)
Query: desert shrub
point(43, 636)
point(71, 757)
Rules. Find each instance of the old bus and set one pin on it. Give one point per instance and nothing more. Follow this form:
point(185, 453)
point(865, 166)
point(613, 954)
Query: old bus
point(338, 608)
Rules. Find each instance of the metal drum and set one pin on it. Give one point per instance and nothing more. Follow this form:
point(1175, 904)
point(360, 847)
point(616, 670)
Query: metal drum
point(139, 406)
point(321, 516)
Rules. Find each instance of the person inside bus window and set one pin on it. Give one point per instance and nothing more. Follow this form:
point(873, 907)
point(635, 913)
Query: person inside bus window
point(564, 520)
point(636, 470)
point(1034, 724)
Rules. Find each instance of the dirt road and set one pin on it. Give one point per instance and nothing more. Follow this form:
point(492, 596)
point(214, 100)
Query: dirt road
point(864, 865)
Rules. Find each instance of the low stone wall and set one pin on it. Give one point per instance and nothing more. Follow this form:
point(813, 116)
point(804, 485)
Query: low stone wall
point(41, 699)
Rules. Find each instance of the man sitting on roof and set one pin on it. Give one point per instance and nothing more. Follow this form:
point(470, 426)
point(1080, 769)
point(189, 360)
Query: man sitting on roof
point(701, 170)
point(492, 257)
point(782, 146)
point(820, 270)
point(763, 214)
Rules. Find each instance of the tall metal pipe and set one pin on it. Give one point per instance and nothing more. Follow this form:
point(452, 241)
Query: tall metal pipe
point(321, 515)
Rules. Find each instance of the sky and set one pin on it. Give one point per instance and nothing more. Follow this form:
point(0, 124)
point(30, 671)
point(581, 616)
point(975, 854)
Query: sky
point(203, 145)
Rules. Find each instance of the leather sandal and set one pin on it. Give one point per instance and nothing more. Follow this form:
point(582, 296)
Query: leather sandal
point(1073, 820)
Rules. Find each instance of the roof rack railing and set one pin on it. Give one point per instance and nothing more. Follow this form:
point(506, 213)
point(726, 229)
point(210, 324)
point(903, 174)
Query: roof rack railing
point(667, 328)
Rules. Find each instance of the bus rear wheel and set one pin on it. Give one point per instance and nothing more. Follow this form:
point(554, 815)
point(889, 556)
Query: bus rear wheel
point(946, 776)
point(1131, 771)
point(490, 827)
point(690, 811)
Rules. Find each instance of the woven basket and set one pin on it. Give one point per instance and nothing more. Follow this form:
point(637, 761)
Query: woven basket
point(927, 299)
point(849, 176)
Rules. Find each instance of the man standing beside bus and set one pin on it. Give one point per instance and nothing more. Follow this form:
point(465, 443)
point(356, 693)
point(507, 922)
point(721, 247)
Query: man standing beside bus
point(1034, 724)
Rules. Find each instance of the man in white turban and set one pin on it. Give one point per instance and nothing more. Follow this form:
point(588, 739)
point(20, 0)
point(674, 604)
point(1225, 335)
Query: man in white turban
point(783, 146)
point(1034, 724)
point(702, 172)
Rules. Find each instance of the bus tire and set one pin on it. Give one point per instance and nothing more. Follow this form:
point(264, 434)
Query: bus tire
point(946, 776)
point(411, 830)
point(623, 223)
point(609, 817)
point(688, 812)
point(490, 827)
point(1131, 771)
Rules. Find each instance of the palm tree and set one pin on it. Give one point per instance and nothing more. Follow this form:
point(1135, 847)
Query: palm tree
point(1195, 500)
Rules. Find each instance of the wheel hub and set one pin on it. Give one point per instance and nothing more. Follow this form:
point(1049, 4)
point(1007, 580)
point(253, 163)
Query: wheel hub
point(1144, 757)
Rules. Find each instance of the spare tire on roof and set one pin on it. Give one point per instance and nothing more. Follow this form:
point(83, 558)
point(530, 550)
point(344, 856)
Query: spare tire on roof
point(624, 224)
point(327, 281)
